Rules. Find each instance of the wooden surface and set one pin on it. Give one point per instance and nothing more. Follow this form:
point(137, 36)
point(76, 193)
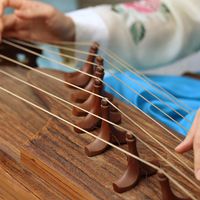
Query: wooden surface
point(42, 158)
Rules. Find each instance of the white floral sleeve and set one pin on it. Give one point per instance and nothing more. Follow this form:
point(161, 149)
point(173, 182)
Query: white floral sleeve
point(147, 34)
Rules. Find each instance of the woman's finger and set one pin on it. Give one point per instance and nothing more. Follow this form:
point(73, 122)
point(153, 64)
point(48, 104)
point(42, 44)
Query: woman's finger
point(9, 21)
point(187, 143)
point(36, 10)
point(17, 4)
point(196, 147)
point(10, 3)
point(23, 35)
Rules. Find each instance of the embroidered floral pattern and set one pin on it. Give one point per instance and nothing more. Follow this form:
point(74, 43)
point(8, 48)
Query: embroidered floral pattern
point(138, 13)
point(164, 9)
point(138, 32)
point(144, 6)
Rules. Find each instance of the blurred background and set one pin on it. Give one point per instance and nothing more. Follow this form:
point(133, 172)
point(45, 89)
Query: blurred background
point(69, 5)
point(63, 5)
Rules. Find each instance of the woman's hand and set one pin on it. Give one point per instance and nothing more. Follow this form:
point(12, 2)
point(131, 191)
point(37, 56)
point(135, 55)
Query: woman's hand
point(33, 20)
point(193, 141)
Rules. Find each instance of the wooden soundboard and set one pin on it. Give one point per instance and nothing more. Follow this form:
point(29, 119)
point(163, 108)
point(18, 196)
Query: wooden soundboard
point(43, 158)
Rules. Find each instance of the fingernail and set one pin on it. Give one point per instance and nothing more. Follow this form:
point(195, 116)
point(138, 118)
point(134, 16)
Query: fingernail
point(198, 175)
point(178, 147)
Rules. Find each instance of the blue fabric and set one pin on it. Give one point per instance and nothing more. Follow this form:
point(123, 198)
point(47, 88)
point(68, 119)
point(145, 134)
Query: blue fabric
point(62, 5)
point(44, 63)
point(183, 88)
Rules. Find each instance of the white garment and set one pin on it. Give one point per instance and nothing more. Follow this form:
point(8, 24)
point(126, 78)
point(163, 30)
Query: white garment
point(163, 37)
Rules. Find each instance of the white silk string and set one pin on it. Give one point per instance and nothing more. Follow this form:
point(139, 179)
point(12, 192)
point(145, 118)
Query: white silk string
point(130, 88)
point(149, 81)
point(134, 91)
point(119, 70)
point(16, 46)
point(63, 100)
point(102, 140)
point(131, 120)
point(28, 67)
point(141, 128)
point(124, 64)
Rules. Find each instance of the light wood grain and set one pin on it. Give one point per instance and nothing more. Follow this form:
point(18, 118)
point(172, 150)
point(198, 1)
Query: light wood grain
point(53, 153)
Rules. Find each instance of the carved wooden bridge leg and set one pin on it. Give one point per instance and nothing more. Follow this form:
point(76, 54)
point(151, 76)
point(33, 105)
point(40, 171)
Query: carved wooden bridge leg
point(135, 169)
point(80, 79)
point(81, 96)
point(107, 132)
point(100, 62)
point(115, 115)
point(166, 191)
point(93, 105)
point(90, 122)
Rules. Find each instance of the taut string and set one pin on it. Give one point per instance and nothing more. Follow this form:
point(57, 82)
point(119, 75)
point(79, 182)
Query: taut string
point(150, 82)
point(141, 128)
point(67, 66)
point(108, 143)
point(121, 71)
point(124, 64)
point(148, 91)
point(124, 115)
point(60, 99)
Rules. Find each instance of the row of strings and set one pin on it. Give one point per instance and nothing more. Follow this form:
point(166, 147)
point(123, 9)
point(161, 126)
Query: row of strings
point(134, 81)
point(158, 141)
point(186, 192)
point(149, 135)
point(167, 149)
point(125, 65)
point(3, 57)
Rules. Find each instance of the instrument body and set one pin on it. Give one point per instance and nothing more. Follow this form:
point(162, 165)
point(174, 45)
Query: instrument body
point(42, 157)
point(41, 146)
